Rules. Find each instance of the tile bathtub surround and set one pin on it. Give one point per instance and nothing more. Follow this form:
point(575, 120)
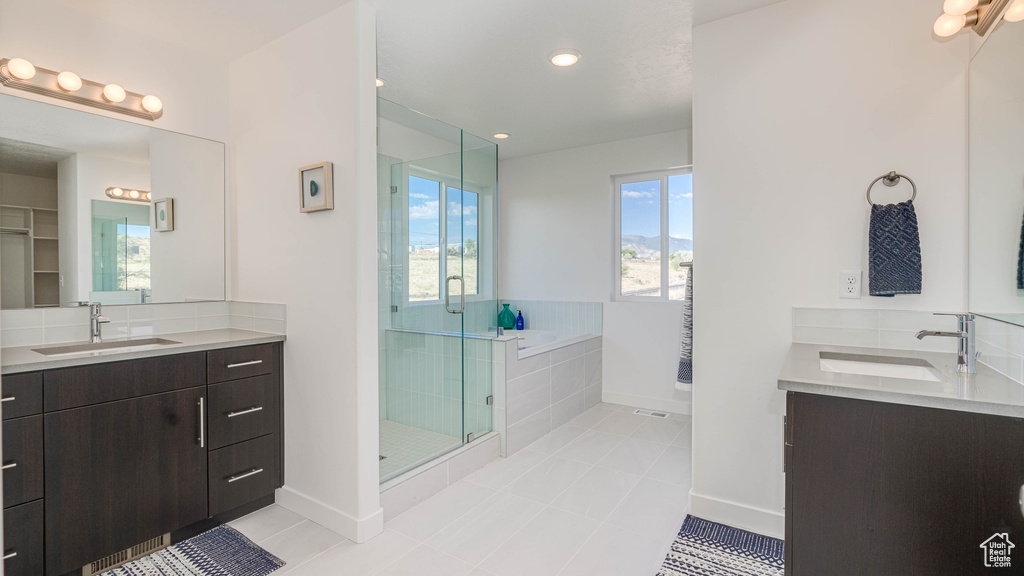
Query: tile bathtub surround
point(536, 395)
point(568, 318)
point(60, 325)
point(894, 329)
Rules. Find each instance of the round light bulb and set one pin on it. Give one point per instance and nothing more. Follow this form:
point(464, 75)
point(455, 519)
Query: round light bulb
point(1016, 12)
point(948, 25)
point(959, 7)
point(21, 69)
point(145, 195)
point(114, 93)
point(69, 81)
point(501, 135)
point(565, 57)
point(380, 82)
point(133, 193)
point(117, 192)
point(152, 104)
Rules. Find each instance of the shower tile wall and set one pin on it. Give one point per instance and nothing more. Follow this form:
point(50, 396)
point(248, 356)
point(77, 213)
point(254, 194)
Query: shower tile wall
point(567, 318)
point(426, 382)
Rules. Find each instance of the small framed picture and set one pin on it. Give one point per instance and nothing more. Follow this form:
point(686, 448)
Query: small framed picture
point(163, 214)
point(316, 190)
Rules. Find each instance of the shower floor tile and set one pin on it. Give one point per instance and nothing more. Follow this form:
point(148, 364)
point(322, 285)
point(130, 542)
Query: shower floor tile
point(405, 446)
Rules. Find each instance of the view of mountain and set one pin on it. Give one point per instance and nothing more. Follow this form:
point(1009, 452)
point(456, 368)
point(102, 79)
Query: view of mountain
point(650, 246)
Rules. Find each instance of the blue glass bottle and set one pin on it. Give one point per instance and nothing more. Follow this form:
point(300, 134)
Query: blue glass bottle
point(519, 321)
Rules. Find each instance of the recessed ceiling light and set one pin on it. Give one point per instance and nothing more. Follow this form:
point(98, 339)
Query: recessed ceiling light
point(565, 57)
point(501, 135)
point(380, 82)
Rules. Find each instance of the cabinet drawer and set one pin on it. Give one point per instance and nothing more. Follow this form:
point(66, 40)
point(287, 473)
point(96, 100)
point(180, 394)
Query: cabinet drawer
point(234, 363)
point(241, 410)
point(242, 473)
point(22, 460)
point(23, 537)
point(97, 383)
point(21, 395)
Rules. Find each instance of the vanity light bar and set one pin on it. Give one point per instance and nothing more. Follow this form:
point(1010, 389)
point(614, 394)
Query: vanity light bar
point(19, 73)
point(979, 15)
point(129, 194)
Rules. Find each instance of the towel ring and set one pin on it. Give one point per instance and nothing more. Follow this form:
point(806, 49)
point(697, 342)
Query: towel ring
point(891, 179)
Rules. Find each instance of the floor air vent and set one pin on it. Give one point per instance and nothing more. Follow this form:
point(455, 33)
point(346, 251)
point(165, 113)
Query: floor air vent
point(650, 413)
point(125, 556)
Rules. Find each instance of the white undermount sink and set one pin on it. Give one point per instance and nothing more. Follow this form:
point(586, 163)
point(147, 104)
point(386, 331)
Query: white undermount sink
point(112, 346)
point(883, 366)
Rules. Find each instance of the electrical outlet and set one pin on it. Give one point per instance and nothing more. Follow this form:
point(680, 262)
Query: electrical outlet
point(849, 284)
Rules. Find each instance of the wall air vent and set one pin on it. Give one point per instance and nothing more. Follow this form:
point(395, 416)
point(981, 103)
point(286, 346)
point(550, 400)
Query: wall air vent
point(125, 556)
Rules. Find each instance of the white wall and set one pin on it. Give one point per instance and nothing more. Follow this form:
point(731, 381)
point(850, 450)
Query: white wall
point(555, 226)
point(323, 264)
point(67, 227)
point(797, 107)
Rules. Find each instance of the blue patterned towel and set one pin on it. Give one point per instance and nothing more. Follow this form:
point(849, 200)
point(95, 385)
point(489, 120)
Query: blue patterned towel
point(684, 377)
point(894, 250)
point(1020, 260)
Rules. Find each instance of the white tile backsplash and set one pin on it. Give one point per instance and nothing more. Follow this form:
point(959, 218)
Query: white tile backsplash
point(60, 325)
point(1001, 346)
point(871, 328)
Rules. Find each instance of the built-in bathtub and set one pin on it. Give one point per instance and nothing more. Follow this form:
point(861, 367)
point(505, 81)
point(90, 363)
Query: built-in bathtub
point(533, 342)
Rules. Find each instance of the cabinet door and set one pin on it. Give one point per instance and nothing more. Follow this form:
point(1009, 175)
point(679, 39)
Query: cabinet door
point(121, 473)
point(880, 488)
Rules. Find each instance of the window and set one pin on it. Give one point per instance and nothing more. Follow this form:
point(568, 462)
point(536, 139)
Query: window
point(441, 244)
point(654, 234)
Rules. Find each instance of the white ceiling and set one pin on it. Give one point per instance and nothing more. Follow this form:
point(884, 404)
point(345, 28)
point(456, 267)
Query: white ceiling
point(483, 66)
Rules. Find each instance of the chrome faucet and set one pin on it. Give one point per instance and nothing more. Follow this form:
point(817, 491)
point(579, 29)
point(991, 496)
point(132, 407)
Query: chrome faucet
point(967, 358)
point(94, 323)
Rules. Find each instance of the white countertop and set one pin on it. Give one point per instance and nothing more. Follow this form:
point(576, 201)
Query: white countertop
point(24, 359)
point(987, 392)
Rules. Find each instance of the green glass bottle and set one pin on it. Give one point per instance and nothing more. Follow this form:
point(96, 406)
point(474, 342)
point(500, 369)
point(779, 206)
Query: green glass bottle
point(506, 319)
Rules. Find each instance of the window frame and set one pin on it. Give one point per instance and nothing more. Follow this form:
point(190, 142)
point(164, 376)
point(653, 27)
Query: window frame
point(444, 184)
point(617, 181)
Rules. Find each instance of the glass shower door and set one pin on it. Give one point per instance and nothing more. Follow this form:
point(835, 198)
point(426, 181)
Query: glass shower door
point(425, 342)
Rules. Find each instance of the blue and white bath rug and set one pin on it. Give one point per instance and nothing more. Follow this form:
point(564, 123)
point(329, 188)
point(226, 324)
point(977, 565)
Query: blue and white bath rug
point(705, 548)
point(222, 551)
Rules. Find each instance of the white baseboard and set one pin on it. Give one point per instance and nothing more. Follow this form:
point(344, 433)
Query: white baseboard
point(759, 520)
point(356, 530)
point(674, 406)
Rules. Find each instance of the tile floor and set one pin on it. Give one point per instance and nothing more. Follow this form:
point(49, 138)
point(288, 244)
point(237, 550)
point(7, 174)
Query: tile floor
point(602, 495)
point(407, 447)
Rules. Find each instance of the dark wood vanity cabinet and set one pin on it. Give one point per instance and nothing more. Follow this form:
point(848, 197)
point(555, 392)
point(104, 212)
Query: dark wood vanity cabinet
point(881, 488)
point(116, 454)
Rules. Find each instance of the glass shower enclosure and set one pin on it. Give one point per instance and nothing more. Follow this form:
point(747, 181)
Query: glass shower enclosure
point(437, 242)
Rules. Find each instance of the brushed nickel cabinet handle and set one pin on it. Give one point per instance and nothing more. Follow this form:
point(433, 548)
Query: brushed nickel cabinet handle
point(248, 411)
point(202, 428)
point(1020, 499)
point(252, 472)
point(9, 556)
point(9, 466)
point(7, 399)
point(249, 363)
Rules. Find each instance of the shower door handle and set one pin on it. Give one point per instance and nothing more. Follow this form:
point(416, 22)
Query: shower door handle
point(448, 294)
